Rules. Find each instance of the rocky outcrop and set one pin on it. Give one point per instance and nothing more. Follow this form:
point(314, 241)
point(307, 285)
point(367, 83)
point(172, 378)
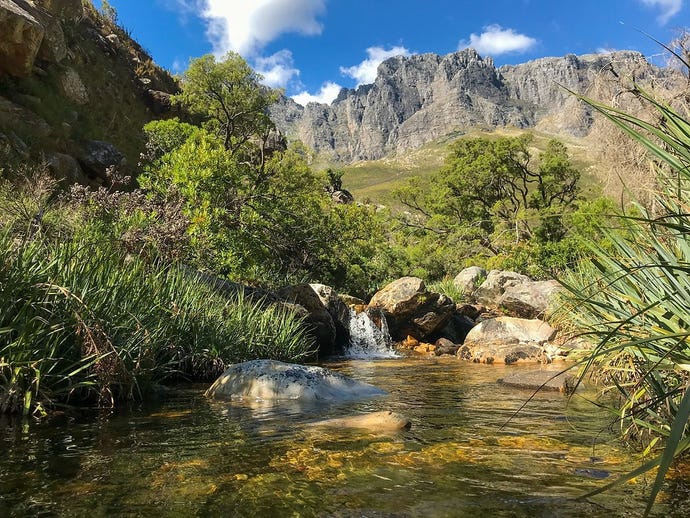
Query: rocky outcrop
point(495, 284)
point(22, 35)
point(411, 310)
point(419, 98)
point(319, 320)
point(269, 380)
point(97, 157)
point(70, 10)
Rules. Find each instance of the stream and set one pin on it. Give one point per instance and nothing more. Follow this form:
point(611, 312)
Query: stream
point(188, 456)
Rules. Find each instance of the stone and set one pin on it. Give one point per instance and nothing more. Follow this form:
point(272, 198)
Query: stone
point(339, 311)
point(72, 87)
point(529, 299)
point(159, 102)
point(351, 301)
point(425, 349)
point(65, 168)
point(385, 421)
point(510, 330)
point(542, 379)
point(320, 320)
point(21, 37)
point(53, 47)
point(271, 380)
point(343, 197)
point(13, 116)
point(508, 340)
point(495, 284)
point(445, 346)
point(96, 157)
point(412, 310)
point(469, 280)
point(457, 328)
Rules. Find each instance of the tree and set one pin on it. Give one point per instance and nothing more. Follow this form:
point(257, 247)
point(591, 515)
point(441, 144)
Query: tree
point(229, 98)
point(490, 195)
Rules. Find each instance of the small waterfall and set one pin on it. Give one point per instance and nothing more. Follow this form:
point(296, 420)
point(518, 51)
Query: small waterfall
point(367, 339)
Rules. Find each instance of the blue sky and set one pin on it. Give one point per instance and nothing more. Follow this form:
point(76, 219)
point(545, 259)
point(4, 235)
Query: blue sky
point(312, 48)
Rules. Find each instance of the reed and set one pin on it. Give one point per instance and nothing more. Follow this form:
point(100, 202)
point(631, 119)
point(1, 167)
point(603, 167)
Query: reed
point(632, 298)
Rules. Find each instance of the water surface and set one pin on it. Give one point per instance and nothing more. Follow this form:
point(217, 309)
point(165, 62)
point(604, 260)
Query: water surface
point(187, 456)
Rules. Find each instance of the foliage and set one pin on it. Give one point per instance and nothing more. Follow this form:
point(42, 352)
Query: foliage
point(227, 94)
point(488, 204)
point(632, 297)
point(83, 324)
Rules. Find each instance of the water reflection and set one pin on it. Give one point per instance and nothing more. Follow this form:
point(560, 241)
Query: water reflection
point(189, 456)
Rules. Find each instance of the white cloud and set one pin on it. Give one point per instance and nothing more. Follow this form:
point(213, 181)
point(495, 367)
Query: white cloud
point(668, 8)
point(278, 70)
point(326, 95)
point(365, 72)
point(496, 40)
point(246, 26)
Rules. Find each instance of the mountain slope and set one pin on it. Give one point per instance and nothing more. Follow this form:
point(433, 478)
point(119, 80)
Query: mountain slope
point(415, 100)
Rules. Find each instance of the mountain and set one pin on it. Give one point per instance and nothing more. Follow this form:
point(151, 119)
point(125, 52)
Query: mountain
point(417, 99)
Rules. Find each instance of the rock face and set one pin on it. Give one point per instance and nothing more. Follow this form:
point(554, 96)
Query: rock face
point(412, 310)
point(417, 99)
point(275, 381)
point(22, 35)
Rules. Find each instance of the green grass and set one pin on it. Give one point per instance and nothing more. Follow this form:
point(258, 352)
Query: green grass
point(84, 325)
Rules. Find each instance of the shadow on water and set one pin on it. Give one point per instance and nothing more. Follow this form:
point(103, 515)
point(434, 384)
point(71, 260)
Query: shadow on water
point(189, 456)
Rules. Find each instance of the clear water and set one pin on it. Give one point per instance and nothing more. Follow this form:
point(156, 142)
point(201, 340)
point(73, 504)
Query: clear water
point(188, 456)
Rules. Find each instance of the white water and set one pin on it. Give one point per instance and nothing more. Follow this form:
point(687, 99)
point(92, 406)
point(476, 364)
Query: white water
point(366, 339)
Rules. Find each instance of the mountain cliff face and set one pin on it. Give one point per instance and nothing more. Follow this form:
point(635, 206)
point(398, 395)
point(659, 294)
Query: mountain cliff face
point(417, 99)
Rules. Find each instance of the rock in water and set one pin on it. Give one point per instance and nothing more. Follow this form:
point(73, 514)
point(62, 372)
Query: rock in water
point(276, 381)
point(385, 421)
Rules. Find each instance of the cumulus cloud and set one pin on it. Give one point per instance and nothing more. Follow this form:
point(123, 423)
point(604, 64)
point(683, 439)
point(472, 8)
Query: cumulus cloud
point(326, 95)
point(278, 70)
point(668, 8)
point(496, 40)
point(247, 26)
point(365, 72)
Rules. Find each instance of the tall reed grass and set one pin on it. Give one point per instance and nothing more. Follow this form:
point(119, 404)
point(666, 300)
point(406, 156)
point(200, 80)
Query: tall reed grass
point(84, 324)
point(632, 298)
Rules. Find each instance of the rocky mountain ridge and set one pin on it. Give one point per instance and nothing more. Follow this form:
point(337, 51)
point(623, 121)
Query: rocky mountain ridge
point(417, 99)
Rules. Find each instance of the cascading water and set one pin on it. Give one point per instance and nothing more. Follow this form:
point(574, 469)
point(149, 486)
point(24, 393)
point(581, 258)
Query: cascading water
point(367, 339)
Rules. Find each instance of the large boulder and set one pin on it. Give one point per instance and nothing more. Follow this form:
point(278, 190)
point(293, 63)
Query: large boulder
point(508, 340)
point(469, 279)
point(53, 46)
point(65, 168)
point(495, 284)
point(13, 116)
point(270, 380)
point(21, 37)
point(412, 310)
point(96, 157)
point(529, 299)
point(319, 319)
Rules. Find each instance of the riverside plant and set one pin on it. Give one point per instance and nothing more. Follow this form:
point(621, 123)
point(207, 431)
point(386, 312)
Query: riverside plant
point(80, 324)
point(632, 299)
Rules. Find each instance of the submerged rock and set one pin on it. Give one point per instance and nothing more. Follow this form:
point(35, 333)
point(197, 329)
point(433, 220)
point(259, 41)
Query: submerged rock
point(542, 379)
point(276, 381)
point(385, 421)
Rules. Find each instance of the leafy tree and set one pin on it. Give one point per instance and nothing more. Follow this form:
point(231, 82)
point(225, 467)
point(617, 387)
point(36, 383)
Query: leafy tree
point(227, 95)
point(489, 192)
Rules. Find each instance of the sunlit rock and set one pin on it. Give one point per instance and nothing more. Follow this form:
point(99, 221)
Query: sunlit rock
point(271, 380)
point(375, 421)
